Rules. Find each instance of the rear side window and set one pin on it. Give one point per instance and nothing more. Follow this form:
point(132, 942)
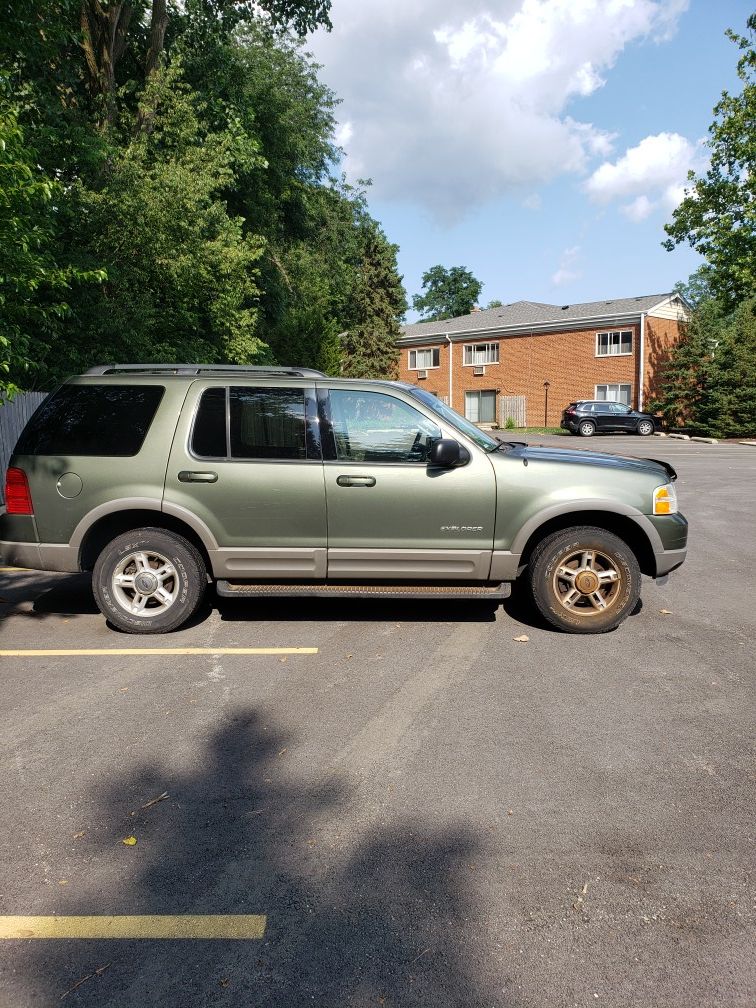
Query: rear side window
point(264, 423)
point(267, 423)
point(92, 420)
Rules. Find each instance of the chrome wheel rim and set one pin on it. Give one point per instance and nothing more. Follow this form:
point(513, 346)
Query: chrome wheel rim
point(586, 428)
point(587, 582)
point(145, 583)
point(645, 427)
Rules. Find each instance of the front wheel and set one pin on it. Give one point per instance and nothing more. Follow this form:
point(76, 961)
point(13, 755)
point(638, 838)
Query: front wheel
point(645, 427)
point(584, 580)
point(149, 581)
point(587, 428)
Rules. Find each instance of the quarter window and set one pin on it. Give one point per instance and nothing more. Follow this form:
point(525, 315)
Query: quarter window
point(94, 420)
point(480, 407)
point(612, 344)
point(481, 353)
point(421, 360)
point(614, 393)
point(373, 427)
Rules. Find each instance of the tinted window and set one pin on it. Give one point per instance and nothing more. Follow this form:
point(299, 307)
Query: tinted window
point(268, 423)
point(92, 420)
point(373, 427)
point(209, 433)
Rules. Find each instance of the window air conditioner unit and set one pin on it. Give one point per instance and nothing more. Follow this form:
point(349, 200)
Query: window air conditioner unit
point(422, 374)
point(479, 370)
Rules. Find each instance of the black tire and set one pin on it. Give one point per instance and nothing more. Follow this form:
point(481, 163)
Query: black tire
point(586, 428)
point(645, 428)
point(551, 593)
point(181, 580)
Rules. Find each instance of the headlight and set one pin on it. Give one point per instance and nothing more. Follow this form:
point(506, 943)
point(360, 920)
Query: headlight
point(665, 500)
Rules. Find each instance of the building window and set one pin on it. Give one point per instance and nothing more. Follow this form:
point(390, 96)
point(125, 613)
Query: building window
point(423, 360)
point(480, 407)
point(614, 393)
point(476, 354)
point(614, 344)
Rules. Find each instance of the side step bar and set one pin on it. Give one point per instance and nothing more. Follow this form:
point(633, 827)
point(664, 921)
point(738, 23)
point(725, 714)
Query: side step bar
point(245, 589)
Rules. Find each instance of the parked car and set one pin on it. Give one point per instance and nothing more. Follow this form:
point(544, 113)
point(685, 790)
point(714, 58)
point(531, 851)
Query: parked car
point(589, 417)
point(158, 479)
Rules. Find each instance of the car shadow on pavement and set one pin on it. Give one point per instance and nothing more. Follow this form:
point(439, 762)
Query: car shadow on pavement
point(36, 595)
point(359, 912)
point(303, 609)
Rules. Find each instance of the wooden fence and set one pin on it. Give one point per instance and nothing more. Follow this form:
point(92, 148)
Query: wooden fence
point(13, 417)
point(514, 407)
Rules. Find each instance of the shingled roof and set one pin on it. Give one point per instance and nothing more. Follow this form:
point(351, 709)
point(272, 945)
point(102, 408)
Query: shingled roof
point(526, 313)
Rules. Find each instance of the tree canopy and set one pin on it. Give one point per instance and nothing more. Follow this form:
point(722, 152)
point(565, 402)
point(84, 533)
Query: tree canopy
point(170, 175)
point(717, 217)
point(448, 293)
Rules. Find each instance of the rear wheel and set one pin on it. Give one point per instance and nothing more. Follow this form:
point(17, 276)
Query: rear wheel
point(584, 580)
point(645, 427)
point(587, 428)
point(149, 581)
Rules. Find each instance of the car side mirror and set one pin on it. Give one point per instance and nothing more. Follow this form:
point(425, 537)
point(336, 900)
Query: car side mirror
point(447, 453)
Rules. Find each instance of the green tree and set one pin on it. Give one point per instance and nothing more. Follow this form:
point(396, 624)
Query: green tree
point(449, 293)
point(717, 217)
point(35, 280)
point(368, 347)
point(709, 382)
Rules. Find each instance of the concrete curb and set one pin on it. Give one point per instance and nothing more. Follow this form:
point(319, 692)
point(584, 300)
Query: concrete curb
point(658, 433)
point(705, 440)
point(680, 437)
point(752, 443)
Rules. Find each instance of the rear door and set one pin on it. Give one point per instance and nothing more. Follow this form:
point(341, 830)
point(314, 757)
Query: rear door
point(390, 515)
point(246, 463)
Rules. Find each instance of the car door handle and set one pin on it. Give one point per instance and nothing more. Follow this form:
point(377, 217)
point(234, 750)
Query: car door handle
point(187, 476)
point(356, 481)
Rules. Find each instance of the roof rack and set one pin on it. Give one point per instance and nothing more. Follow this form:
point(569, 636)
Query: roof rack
point(198, 369)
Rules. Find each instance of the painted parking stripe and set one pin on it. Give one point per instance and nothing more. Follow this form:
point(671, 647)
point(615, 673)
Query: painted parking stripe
point(152, 926)
point(81, 652)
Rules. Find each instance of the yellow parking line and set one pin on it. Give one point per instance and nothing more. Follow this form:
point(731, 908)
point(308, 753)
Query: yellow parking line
point(152, 926)
point(79, 652)
point(7, 570)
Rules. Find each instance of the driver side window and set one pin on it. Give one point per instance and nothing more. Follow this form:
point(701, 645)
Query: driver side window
point(374, 427)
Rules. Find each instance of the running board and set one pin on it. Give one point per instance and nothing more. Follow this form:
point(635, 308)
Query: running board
point(239, 589)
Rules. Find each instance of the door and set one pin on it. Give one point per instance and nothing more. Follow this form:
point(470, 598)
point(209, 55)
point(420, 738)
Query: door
point(390, 515)
point(246, 466)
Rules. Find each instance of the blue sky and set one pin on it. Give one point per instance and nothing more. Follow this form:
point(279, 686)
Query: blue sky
point(540, 143)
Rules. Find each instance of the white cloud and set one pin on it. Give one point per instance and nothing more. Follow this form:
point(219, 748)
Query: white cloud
point(532, 201)
point(651, 174)
point(455, 104)
point(567, 272)
point(343, 134)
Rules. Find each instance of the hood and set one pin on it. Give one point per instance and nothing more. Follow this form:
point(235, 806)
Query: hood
point(576, 456)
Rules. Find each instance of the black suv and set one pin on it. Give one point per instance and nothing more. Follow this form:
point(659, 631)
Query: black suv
point(589, 417)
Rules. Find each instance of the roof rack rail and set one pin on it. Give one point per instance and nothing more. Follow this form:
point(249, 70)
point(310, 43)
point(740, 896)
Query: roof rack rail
point(197, 369)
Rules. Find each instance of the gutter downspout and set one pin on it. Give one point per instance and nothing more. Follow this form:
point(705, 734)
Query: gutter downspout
point(641, 361)
point(451, 401)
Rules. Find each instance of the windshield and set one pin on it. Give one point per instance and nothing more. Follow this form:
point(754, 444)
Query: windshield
point(481, 439)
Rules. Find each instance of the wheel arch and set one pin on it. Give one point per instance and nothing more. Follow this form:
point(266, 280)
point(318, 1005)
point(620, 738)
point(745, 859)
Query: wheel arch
point(625, 526)
point(105, 528)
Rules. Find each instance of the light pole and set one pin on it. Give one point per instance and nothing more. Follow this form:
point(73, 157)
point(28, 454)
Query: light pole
point(545, 403)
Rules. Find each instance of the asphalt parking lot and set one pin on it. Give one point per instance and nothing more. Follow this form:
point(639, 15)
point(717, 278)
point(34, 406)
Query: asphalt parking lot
point(414, 810)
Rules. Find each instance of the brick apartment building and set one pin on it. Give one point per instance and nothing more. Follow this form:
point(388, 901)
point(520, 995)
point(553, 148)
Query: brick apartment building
point(528, 360)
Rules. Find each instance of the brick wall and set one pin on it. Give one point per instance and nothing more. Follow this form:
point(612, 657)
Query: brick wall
point(567, 360)
point(660, 336)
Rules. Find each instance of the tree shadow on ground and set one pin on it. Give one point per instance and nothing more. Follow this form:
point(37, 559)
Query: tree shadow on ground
point(358, 914)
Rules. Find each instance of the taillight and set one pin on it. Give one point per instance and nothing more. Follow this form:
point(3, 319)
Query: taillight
point(17, 495)
point(571, 409)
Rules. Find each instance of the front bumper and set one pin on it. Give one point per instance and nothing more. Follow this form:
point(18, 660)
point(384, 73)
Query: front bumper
point(671, 550)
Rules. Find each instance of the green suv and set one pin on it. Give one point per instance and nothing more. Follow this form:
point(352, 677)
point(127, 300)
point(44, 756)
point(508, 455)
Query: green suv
point(281, 481)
